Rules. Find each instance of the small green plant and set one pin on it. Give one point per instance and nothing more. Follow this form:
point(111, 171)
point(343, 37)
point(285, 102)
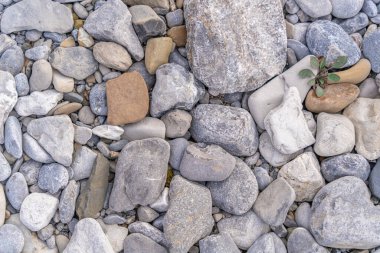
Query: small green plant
point(321, 79)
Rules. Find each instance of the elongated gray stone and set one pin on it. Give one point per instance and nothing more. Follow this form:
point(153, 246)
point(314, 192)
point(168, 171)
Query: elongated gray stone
point(8, 99)
point(16, 190)
point(5, 168)
point(140, 243)
point(13, 137)
point(34, 150)
point(220, 243)
point(67, 201)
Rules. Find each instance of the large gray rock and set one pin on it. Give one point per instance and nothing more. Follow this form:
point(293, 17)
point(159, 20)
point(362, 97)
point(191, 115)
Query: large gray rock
point(219, 243)
point(13, 137)
point(238, 192)
point(34, 150)
point(56, 135)
point(140, 243)
point(243, 229)
point(189, 217)
point(229, 127)
point(140, 174)
point(75, 62)
point(268, 243)
point(16, 190)
point(8, 99)
point(52, 177)
point(41, 15)
point(370, 52)
point(67, 201)
point(345, 165)
point(175, 88)
point(38, 102)
point(323, 36)
point(343, 216)
point(300, 240)
point(223, 65)
point(113, 22)
point(201, 162)
point(88, 237)
point(12, 60)
point(346, 8)
point(11, 239)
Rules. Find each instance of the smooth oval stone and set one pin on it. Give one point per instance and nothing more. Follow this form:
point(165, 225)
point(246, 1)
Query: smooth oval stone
point(346, 8)
point(268, 243)
point(13, 137)
point(146, 128)
point(374, 180)
point(315, 9)
point(300, 240)
point(5, 168)
point(16, 190)
point(336, 98)
point(98, 99)
point(34, 150)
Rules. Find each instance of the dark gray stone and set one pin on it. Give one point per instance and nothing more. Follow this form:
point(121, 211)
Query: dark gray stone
point(374, 180)
point(376, 19)
point(177, 58)
point(355, 23)
point(223, 126)
point(262, 177)
point(139, 243)
point(174, 18)
point(346, 8)
point(345, 165)
point(12, 60)
point(219, 243)
point(52, 177)
point(268, 243)
point(300, 240)
point(323, 35)
point(370, 50)
point(13, 137)
point(30, 171)
point(302, 215)
point(16, 190)
point(98, 99)
point(299, 49)
point(177, 149)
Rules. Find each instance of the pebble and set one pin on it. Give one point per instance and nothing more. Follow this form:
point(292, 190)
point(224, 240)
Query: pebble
point(238, 192)
point(157, 53)
point(140, 243)
point(8, 99)
point(273, 203)
point(30, 171)
point(11, 239)
point(243, 229)
point(16, 190)
point(101, 24)
point(291, 6)
point(369, 50)
point(84, 159)
point(67, 201)
point(269, 242)
point(177, 149)
point(175, 88)
point(299, 49)
point(38, 53)
point(162, 203)
point(3, 205)
point(86, 116)
point(346, 8)
point(174, 18)
point(335, 135)
point(52, 177)
point(98, 99)
point(112, 55)
point(146, 128)
point(355, 23)
point(179, 35)
point(115, 234)
point(189, 217)
point(304, 176)
point(315, 9)
point(82, 135)
point(368, 88)
point(62, 83)
point(38, 103)
point(80, 10)
point(148, 230)
point(127, 99)
point(12, 60)
point(374, 179)
point(34, 150)
point(37, 210)
point(302, 215)
point(219, 243)
point(158, 5)
point(262, 177)
point(300, 240)
point(68, 108)
point(223, 125)
point(150, 80)
point(177, 123)
point(128, 188)
point(22, 84)
point(6, 42)
point(114, 219)
point(46, 232)
point(146, 214)
point(13, 137)
point(108, 132)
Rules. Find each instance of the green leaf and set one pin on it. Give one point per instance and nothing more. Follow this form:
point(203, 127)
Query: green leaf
point(311, 82)
point(306, 73)
point(340, 62)
point(319, 91)
point(322, 64)
point(314, 62)
point(321, 81)
point(333, 77)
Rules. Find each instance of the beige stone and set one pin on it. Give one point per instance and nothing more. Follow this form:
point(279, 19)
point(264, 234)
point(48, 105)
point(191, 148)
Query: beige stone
point(62, 83)
point(178, 35)
point(112, 55)
point(85, 39)
point(157, 53)
point(356, 74)
point(68, 108)
point(68, 42)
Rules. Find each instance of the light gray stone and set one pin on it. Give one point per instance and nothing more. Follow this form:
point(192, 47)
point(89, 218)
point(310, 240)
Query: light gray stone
point(34, 150)
point(42, 75)
point(11, 239)
point(300, 240)
point(16, 190)
point(219, 243)
point(368, 88)
point(3, 205)
point(86, 116)
point(115, 234)
point(162, 202)
point(6, 42)
point(346, 8)
point(315, 9)
point(177, 149)
point(268, 243)
point(82, 135)
point(146, 214)
point(370, 52)
point(83, 162)
point(52, 177)
point(80, 10)
point(108, 132)
point(8, 99)
point(149, 231)
point(148, 127)
point(303, 215)
point(38, 53)
point(38, 103)
point(5, 168)
point(13, 137)
point(67, 201)
point(22, 84)
point(262, 177)
point(12, 60)
point(140, 243)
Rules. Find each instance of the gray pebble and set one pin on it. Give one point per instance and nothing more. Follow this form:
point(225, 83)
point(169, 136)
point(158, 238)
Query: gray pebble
point(149, 231)
point(67, 202)
point(369, 8)
point(72, 97)
point(38, 53)
point(355, 23)
point(118, 145)
point(269, 243)
point(293, 18)
point(176, 57)
point(82, 134)
point(174, 18)
point(30, 170)
point(33, 35)
point(262, 177)
point(13, 137)
point(42, 76)
point(370, 46)
point(34, 150)
point(162, 203)
point(80, 10)
point(56, 37)
point(299, 49)
point(177, 123)
point(114, 219)
point(368, 88)
point(291, 7)
point(303, 215)
point(11, 239)
point(140, 67)
point(53, 177)
point(22, 84)
point(86, 116)
point(300, 240)
point(146, 214)
point(219, 243)
point(376, 19)
point(46, 232)
point(84, 160)
point(16, 190)
point(12, 60)
point(98, 99)
point(140, 243)
point(374, 180)
point(177, 149)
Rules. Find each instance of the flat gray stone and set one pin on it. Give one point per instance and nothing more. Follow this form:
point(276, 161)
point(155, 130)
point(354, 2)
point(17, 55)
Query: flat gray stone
point(146, 214)
point(67, 201)
point(108, 132)
point(13, 137)
point(82, 165)
point(52, 177)
point(140, 243)
point(16, 190)
point(8, 99)
point(30, 170)
point(177, 150)
point(303, 215)
point(38, 102)
point(38, 53)
point(221, 65)
point(300, 240)
point(219, 243)
point(148, 127)
point(11, 239)
point(268, 243)
point(34, 150)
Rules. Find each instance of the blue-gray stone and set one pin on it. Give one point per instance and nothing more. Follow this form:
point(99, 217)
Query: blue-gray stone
point(355, 23)
point(12, 60)
point(174, 18)
point(30, 170)
point(98, 99)
point(38, 53)
point(345, 165)
point(11, 239)
point(302, 215)
point(22, 84)
point(67, 201)
point(177, 149)
point(52, 177)
point(369, 8)
point(5, 168)
point(56, 37)
point(176, 57)
point(13, 137)
point(371, 50)
point(16, 190)
point(374, 180)
point(219, 243)
point(140, 243)
point(299, 49)
point(268, 243)
point(315, 9)
point(140, 67)
point(323, 34)
point(262, 177)
point(300, 240)
point(346, 8)
point(34, 150)
point(376, 19)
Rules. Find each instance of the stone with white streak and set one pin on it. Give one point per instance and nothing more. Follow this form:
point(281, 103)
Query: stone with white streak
point(8, 99)
point(38, 102)
point(108, 131)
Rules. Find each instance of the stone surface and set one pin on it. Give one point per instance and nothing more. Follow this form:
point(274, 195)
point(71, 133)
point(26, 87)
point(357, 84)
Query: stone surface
point(67, 201)
point(268, 243)
point(12, 60)
point(222, 65)
point(364, 114)
point(374, 180)
point(108, 132)
point(16, 190)
point(22, 84)
point(8, 98)
point(177, 150)
point(370, 43)
point(3, 204)
point(148, 230)
point(323, 36)
point(11, 239)
point(157, 53)
point(112, 55)
point(41, 15)
point(189, 216)
point(335, 135)
point(224, 126)
point(52, 177)
point(113, 22)
point(140, 243)
point(75, 62)
point(34, 150)
point(13, 137)
point(302, 215)
point(304, 176)
point(37, 210)
point(68, 108)
point(88, 237)
point(62, 83)
point(128, 99)
point(243, 229)
point(178, 35)
point(175, 88)
point(238, 192)
point(38, 53)
point(158, 5)
point(300, 240)
point(146, 128)
point(5, 168)
point(115, 234)
point(273, 203)
point(38, 103)
point(42, 75)
point(356, 73)
point(336, 98)
point(146, 214)
point(140, 174)
point(98, 99)
point(315, 9)
point(219, 243)
point(140, 67)
point(343, 216)
point(82, 165)
point(286, 124)
point(201, 162)
point(368, 89)
point(355, 23)
point(177, 123)
point(56, 135)
point(346, 9)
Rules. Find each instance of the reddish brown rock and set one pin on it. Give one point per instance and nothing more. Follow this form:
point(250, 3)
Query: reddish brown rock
point(127, 99)
point(178, 35)
point(336, 98)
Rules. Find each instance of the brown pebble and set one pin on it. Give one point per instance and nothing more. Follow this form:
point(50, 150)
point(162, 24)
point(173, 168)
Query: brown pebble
point(68, 108)
point(178, 35)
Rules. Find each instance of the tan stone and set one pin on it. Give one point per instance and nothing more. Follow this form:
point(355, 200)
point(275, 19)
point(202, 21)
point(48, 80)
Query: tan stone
point(157, 53)
point(68, 42)
point(178, 35)
point(336, 98)
point(68, 108)
point(356, 74)
point(85, 39)
point(112, 55)
point(127, 99)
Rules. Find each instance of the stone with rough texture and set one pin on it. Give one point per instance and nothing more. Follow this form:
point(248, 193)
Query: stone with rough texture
point(335, 135)
point(370, 45)
point(8, 99)
point(75, 62)
point(177, 150)
point(11, 239)
point(343, 216)
point(175, 88)
point(98, 99)
point(13, 137)
point(146, 214)
point(112, 55)
point(67, 201)
point(355, 23)
point(219, 243)
point(177, 123)
point(323, 36)
point(37, 210)
point(231, 128)
point(140, 174)
point(34, 150)
point(140, 243)
point(374, 180)
point(108, 132)
point(42, 75)
point(315, 9)
point(82, 165)
point(115, 234)
point(16, 190)
point(286, 124)
point(148, 230)
point(273, 203)
point(214, 47)
point(38, 53)
point(127, 99)
point(201, 162)
point(157, 53)
point(243, 229)
point(365, 115)
point(52, 177)
point(304, 176)
point(238, 192)
point(158, 5)
point(346, 8)
point(41, 15)
point(189, 216)
point(38, 102)
point(22, 84)
point(56, 135)
point(368, 89)
point(268, 243)
point(300, 240)
point(146, 128)
point(113, 22)
point(140, 67)
point(88, 237)
point(302, 215)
